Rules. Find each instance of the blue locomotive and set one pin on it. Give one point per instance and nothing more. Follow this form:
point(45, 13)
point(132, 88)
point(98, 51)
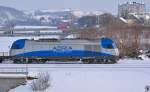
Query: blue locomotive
point(89, 51)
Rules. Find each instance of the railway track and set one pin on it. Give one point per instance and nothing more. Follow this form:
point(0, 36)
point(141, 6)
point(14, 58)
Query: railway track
point(36, 68)
point(2, 66)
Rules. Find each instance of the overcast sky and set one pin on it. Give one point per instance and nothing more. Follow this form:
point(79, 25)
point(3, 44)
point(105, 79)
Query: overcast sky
point(86, 5)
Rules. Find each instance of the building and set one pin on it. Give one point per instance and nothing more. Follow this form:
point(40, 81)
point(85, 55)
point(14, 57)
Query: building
point(124, 10)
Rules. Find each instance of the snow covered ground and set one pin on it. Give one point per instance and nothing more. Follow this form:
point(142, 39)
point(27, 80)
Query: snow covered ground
point(145, 60)
point(133, 61)
point(124, 77)
point(95, 81)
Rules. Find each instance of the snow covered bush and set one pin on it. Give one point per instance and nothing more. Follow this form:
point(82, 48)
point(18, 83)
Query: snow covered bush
point(42, 83)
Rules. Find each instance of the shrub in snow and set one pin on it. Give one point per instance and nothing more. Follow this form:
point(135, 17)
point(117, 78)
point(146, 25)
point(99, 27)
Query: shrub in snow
point(147, 88)
point(132, 52)
point(42, 83)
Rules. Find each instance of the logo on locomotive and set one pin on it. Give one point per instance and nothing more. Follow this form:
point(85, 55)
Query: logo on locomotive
point(62, 48)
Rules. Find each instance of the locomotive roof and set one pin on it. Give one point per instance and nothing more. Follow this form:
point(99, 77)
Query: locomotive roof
point(57, 40)
point(66, 41)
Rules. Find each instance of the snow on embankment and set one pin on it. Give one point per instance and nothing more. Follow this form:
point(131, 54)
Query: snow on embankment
point(94, 80)
point(144, 60)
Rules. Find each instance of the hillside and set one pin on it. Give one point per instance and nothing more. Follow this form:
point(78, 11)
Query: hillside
point(8, 14)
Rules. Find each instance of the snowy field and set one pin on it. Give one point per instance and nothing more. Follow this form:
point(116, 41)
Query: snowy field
point(145, 60)
point(92, 78)
point(95, 81)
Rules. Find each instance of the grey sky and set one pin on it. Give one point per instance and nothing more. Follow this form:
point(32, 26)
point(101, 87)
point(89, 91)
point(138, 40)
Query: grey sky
point(86, 5)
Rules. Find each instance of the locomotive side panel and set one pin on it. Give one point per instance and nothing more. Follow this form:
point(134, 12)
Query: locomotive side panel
point(34, 48)
point(79, 49)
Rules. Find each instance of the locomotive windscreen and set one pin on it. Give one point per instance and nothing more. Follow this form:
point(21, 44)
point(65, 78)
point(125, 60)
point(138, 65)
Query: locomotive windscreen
point(19, 44)
point(108, 43)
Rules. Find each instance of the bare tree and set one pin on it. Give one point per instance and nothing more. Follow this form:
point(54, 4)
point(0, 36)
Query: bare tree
point(9, 26)
point(42, 83)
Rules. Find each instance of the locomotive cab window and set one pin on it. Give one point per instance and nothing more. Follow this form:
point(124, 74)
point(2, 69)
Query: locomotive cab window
point(16, 46)
point(109, 46)
point(19, 44)
point(107, 43)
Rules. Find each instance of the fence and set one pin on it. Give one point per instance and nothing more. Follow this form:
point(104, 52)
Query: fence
point(4, 53)
point(14, 70)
